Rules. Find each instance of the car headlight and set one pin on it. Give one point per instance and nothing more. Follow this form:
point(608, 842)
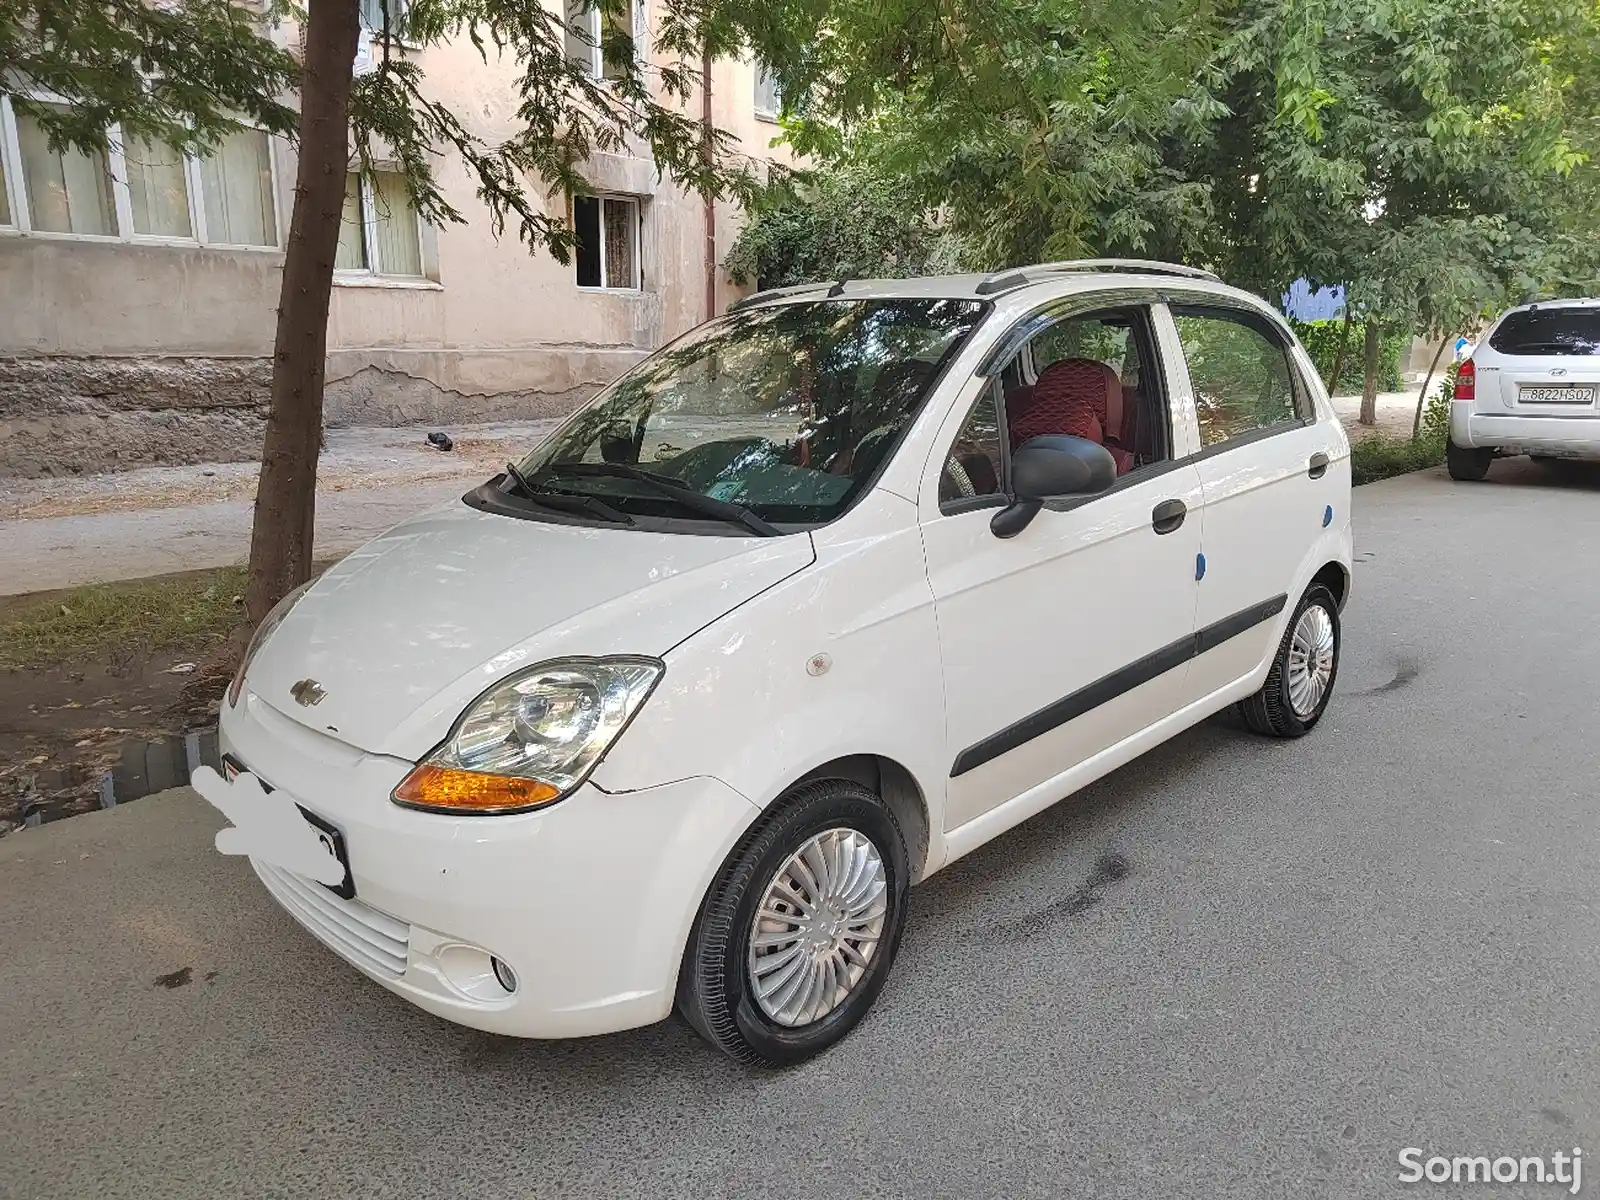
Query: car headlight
point(532, 738)
point(258, 639)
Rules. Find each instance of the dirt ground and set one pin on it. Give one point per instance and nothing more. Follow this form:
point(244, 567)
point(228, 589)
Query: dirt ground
point(67, 719)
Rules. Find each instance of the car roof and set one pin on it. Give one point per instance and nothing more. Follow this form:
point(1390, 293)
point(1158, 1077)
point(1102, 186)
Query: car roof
point(1039, 281)
point(1571, 303)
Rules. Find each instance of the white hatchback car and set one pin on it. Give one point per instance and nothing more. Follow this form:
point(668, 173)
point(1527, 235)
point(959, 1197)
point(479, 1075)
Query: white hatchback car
point(816, 600)
point(1531, 386)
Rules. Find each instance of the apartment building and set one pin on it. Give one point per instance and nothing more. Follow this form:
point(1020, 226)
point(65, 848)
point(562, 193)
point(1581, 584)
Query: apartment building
point(138, 289)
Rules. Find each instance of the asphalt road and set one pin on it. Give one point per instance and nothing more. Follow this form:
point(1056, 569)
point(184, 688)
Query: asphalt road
point(1381, 936)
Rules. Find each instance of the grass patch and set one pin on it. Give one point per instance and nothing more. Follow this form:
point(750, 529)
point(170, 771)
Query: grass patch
point(193, 613)
point(1380, 456)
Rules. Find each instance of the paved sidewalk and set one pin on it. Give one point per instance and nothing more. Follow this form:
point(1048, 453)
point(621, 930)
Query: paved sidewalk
point(91, 529)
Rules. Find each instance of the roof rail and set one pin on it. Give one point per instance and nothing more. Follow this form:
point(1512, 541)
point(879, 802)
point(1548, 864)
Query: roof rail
point(774, 293)
point(1004, 281)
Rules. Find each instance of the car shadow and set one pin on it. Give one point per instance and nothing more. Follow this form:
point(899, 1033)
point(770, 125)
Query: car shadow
point(1561, 473)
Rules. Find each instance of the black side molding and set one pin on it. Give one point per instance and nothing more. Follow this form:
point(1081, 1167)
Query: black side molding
point(1109, 687)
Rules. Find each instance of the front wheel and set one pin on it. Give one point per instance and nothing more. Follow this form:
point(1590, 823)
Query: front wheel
point(797, 935)
point(1465, 464)
point(1300, 683)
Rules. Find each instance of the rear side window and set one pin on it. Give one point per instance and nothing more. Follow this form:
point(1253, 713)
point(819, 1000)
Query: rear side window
point(1240, 371)
point(1574, 331)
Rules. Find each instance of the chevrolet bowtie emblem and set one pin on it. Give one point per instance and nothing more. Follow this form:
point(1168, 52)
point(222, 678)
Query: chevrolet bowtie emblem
point(308, 692)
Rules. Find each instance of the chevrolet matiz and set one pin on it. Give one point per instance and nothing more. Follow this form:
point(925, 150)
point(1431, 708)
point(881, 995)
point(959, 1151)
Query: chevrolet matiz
point(820, 597)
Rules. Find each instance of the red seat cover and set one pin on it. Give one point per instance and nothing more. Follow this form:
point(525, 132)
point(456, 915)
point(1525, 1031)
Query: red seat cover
point(1076, 397)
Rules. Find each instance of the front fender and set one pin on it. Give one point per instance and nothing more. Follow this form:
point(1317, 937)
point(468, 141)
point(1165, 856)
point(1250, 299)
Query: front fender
point(841, 659)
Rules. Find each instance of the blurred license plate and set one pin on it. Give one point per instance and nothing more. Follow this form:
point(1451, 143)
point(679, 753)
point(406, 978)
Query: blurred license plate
point(328, 833)
point(1565, 394)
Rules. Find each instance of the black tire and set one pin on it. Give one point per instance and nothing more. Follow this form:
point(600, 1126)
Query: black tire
point(1467, 465)
point(714, 987)
point(1270, 711)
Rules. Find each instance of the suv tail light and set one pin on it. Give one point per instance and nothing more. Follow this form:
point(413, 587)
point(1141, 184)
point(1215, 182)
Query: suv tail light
point(1467, 381)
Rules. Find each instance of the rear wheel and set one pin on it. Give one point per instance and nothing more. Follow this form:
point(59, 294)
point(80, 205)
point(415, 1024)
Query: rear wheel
point(1300, 683)
point(797, 935)
point(1466, 464)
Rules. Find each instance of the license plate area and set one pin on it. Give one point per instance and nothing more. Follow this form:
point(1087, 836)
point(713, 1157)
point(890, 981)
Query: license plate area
point(1575, 395)
point(330, 834)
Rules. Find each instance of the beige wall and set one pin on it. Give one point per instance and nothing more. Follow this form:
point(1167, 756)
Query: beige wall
point(498, 332)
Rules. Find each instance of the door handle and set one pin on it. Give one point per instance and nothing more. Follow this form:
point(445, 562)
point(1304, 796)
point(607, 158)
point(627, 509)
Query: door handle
point(1318, 466)
point(1168, 515)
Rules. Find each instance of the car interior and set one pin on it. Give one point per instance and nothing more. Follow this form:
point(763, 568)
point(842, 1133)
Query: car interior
point(1094, 376)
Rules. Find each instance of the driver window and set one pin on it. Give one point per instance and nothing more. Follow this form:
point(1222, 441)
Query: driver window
point(1095, 376)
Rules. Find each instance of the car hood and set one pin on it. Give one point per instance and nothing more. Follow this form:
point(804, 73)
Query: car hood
point(403, 634)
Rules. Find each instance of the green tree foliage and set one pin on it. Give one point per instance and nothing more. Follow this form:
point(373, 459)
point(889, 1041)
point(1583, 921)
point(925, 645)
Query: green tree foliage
point(1033, 128)
point(182, 72)
point(1417, 151)
point(851, 223)
point(1321, 340)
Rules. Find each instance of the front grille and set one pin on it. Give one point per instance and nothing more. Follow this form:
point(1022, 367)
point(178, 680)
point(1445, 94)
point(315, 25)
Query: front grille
point(358, 931)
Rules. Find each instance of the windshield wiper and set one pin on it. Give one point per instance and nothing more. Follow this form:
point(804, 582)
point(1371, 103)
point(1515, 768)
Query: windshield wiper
point(723, 510)
point(566, 501)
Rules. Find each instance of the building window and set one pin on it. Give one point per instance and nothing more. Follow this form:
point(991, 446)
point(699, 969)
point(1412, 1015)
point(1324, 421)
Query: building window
point(768, 101)
point(137, 189)
point(68, 191)
point(608, 241)
point(380, 233)
point(236, 180)
point(587, 29)
point(158, 189)
point(372, 15)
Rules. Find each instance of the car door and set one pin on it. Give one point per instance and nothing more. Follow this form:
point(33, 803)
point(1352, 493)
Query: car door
point(1069, 637)
point(1264, 466)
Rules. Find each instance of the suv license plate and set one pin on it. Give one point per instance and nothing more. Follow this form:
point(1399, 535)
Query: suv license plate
point(1565, 394)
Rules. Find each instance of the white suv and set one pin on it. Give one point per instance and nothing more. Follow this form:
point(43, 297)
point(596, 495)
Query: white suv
point(817, 599)
point(1530, 387)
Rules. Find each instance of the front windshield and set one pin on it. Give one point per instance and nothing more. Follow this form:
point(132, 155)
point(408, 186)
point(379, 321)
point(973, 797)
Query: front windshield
point(787, 411)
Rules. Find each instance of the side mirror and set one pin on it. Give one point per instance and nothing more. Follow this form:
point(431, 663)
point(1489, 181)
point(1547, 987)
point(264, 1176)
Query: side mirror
point(1044, 468)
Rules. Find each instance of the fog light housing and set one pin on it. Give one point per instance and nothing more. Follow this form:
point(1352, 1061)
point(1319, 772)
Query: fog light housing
point(506, 976)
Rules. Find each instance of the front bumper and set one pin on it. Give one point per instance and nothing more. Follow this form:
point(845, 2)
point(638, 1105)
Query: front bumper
point(589, 902)
point(1517, 433)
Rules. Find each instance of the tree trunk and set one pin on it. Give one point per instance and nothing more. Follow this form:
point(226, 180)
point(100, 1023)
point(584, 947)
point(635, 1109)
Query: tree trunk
point(1422, 398)
point(1338, 359)
point(1369, 380)
point(286, 498)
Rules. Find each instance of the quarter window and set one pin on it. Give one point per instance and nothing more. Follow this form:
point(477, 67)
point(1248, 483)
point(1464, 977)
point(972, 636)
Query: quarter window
point(972, 468)
point(1241, 375)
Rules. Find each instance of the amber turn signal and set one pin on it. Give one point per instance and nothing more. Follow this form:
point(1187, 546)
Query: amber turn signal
point(445, 789)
